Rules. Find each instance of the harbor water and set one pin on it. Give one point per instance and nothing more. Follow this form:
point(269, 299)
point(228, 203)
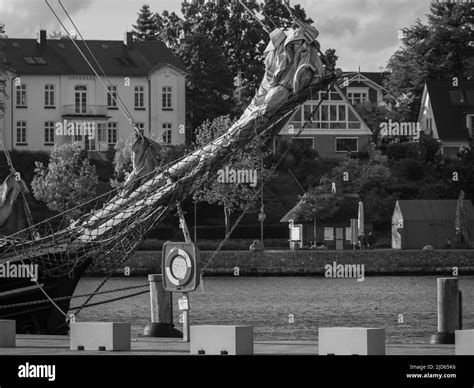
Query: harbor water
point(292, 308)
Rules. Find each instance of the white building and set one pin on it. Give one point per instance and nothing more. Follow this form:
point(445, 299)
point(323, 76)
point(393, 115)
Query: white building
point(50, 84)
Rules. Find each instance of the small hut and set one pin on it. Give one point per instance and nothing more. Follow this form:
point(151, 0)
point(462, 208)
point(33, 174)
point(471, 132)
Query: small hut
point(333, 232)
point(416, 223)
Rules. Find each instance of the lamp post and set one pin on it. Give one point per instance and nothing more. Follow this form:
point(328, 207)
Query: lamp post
point(195, 221)
point(261, 216)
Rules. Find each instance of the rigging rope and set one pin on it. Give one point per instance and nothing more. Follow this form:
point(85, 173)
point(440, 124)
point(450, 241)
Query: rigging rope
point(272, 171)
point(97, 62)
point(130, 119)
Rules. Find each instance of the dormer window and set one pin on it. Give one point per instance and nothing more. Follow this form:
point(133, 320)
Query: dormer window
point(457, 97)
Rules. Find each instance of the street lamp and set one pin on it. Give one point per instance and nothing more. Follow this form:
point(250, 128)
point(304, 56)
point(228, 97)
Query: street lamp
point(195, 221)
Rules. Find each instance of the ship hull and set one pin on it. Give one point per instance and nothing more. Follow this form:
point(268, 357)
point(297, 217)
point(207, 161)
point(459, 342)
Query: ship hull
point(39, 318)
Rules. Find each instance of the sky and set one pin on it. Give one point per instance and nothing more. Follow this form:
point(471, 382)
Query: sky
point(363, 32)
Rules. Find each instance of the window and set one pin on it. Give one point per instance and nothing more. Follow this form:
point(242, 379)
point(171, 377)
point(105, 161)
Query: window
point(166, 98)
point(125, 61)
point(357, 97)
point(29, 60)
point(49, 133)
point(34, 60)
point(21, 133)
point(129, 62)
point(347, 144)
point(307, 111)
point(139, 97)
point(329, 116)
point(457, 97)
point(470, 97)
point(297, 116)
point(470, 124)
point(429, 124)
point(112, 133)
point(167, 133)
point(112, 97)
point(21, 96)
point(101, 132)
point(328, 233)
point(39, 60)
point(141, 127)
point(49, 96)
point(80, 98)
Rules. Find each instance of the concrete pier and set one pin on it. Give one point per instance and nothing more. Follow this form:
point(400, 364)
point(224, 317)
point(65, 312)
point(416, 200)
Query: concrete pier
point(59, 345)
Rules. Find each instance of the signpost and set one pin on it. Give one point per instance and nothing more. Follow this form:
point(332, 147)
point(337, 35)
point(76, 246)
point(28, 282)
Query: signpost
point(179, 268)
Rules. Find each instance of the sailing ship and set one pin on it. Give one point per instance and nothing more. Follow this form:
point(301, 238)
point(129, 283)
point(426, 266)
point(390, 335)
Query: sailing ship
point(107, 235)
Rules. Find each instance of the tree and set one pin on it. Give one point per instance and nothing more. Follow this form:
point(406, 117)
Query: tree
point(465, 168)
point(232, 196)
point(209, 85)
point(438, 50)
point(318, 203)
point(373, 182)
point(239, 38)
point(146, 28)
point(3, 79)
point(68, 180)
point(331, 57)
point(461, 220)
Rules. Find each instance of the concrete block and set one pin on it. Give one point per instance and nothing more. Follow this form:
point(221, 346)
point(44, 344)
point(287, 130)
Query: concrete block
point(464, 342)
point(221, 339)
point(110, 336)
point(351, 340)
point(7, 333)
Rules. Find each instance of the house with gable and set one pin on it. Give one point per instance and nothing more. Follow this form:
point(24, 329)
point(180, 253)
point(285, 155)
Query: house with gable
point(337, 129)
point(447, 113)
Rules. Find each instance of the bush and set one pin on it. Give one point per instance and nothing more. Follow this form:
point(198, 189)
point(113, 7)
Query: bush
point(411, 169)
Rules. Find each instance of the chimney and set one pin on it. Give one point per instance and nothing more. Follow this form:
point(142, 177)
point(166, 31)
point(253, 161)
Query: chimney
point(41, 38)
point(128, 40)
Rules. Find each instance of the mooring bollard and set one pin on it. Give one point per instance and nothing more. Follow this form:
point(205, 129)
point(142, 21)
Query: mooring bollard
point(449, 311)
point(161, 305)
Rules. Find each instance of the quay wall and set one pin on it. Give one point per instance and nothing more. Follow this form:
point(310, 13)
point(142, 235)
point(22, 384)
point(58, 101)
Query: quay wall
point(312, 263)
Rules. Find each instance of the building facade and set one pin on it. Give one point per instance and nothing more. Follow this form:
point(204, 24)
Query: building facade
point(447, 113)
point(337, 128)
point(54, 97)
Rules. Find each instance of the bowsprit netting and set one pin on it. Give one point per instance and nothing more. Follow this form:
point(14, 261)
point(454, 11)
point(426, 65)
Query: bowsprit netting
point(110, 228)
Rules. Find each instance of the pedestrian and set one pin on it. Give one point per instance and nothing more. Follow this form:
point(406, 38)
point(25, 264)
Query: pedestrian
point(370, 241)
point(363, 241)
point(448, 243)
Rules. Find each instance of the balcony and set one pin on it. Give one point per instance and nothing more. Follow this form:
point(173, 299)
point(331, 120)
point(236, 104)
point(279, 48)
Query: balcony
point(84, 111)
